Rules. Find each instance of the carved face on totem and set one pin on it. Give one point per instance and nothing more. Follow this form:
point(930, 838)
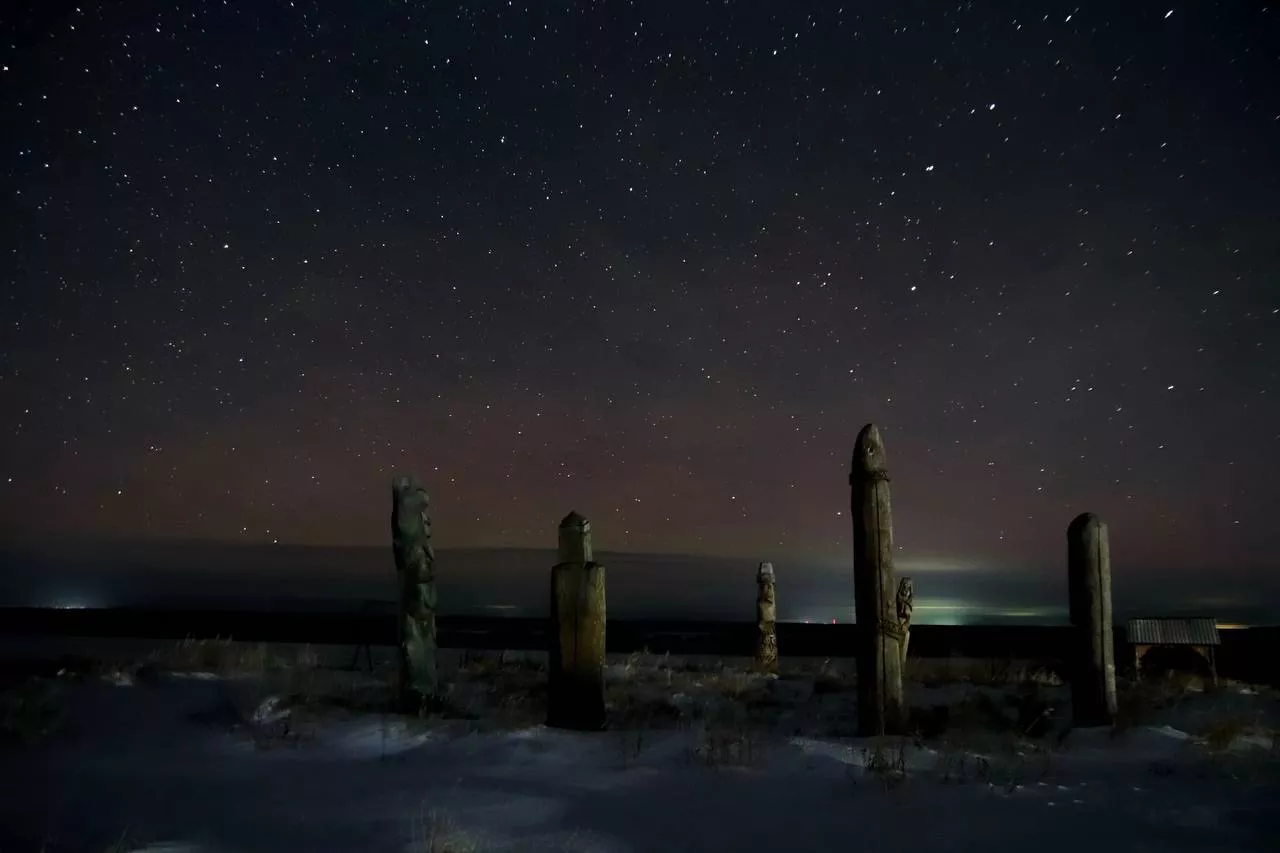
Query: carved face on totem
point(765, 579)
point(411, 505)
point(868, 451)
point(906, 597)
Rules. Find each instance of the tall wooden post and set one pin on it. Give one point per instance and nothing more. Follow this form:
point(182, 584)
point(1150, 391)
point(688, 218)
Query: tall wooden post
point(415, 568)
point(766, 619)
point(880, 634)
point(1093, 667)
point(575, 683)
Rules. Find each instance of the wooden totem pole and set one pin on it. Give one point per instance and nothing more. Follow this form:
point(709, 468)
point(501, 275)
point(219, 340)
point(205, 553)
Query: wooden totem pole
point(880, 633)
point(575, 684)
point(766, 619)
point(415, 567)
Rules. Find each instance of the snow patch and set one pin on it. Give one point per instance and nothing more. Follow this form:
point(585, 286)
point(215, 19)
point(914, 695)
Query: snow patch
point(1169, 732)
point(194, 676)
point(269, 712)
point(372, 737)
point(643, 789)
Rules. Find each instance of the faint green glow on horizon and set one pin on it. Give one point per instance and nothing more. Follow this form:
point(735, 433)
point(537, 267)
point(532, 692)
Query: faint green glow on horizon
point(948, 611)
point(937, 564)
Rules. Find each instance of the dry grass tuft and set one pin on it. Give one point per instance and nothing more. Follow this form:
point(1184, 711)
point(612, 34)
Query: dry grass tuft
point(1138, 702)
point(519, 706)
point(1028, 712)
point(886, 761)
point(275, 698)
point(1221, 733)
point(495, 694)
point(437, 833)
point(989, 672)
point(956, 763)
point(633, 707)
point(727, 737)
point(727, 745)
point(831, 679)
point(231, 659)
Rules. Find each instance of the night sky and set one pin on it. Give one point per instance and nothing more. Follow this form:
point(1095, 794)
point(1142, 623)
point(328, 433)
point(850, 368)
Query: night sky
point(655, 262)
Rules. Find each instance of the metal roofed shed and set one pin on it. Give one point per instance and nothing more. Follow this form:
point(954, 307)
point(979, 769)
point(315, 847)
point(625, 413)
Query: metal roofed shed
point(1200, 634)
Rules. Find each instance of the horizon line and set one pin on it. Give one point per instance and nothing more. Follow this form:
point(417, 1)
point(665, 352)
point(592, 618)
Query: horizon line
point(180, 606)
point(55, 542)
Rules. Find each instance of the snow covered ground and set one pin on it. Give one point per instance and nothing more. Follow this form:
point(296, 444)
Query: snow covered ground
point(245, 755)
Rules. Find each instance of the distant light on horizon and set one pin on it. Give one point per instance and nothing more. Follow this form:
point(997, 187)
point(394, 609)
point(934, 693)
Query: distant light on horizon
point(69, 600)
point(942, 611)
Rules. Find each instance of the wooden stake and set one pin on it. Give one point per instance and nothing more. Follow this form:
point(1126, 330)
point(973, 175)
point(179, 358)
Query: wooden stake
point(415, 567)
point(1093, 668)
point(575, 685)
point(766, 619)
point(879, 654)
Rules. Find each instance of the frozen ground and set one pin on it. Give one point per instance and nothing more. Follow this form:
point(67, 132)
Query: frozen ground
point(212, 750)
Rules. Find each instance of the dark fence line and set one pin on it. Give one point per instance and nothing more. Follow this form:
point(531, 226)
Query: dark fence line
point(1246, 653)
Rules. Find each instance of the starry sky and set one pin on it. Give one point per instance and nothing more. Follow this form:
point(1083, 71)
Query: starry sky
point(654, 262)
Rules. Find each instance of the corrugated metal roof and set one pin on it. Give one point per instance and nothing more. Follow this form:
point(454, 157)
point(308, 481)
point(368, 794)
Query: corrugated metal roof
point(1173, 632)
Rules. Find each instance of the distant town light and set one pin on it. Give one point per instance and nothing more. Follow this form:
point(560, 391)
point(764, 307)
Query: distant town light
point(71, 603)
